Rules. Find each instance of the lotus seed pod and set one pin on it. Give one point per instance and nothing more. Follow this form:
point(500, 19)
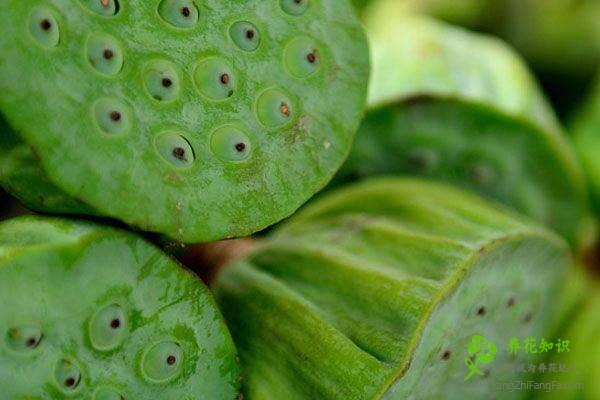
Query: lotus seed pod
point(586, 130)
point(22, 176)
point(459, 107)
point(381, 286)
point(130, 106)
point(95, 313)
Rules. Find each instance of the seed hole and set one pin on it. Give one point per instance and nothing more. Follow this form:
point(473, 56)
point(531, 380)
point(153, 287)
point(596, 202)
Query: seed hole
point(230, 143)
point(528, 317)
point(274, 108)
point(106, 8)
point(67, 375)
point(215, 79)
point(245, 35)
point(511, 302)
point(45, 25)
point(294, 7)
point(105, 54)
point(301, 57)
point(175, 149)
point(179, 13)
point(24, 338)
point(162, 362)
point(446, 355)
point(108, 328)
point(481, 311)
point(161, 80)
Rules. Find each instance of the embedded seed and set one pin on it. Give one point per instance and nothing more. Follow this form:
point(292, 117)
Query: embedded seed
point(44, 27)
point(215, 79)
point(446, 355)
point(301, 57)
point(274, 108)
point(230, 143)
point(179, 13)
point(481, 311)
point(115, 116)
point(105, 54)
point(175, 149)
point(162, 362)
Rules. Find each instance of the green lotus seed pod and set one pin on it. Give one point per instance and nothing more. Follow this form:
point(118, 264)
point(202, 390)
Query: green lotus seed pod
point(586, 130)
point(95, 313)
point(462, 108)
point(22, 175)
point(95, 94)
point(379, 287)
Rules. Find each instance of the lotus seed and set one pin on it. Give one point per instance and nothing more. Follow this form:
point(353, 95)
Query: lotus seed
point(23, 338)
point(274, 108)
point(301, 57)
point(67, 376)
point(162, 362)
point(162, 81)
point(179, 13)
point(175, 149)
point(230, 144)
point(108, 328)
point(294, 7)
point(104, 54)
point(215, 79)
point(245, 35)
point(105, 8)
point(112, 116)
point(44, 27)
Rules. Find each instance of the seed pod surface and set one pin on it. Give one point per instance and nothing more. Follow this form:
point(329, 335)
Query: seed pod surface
point(379, 287)
point(95, 313)
point(126, 102)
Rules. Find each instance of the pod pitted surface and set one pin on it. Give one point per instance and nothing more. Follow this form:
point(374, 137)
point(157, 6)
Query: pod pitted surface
point(463, 108)
point(93, 103)
point(84, 310)
point(382, 285)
